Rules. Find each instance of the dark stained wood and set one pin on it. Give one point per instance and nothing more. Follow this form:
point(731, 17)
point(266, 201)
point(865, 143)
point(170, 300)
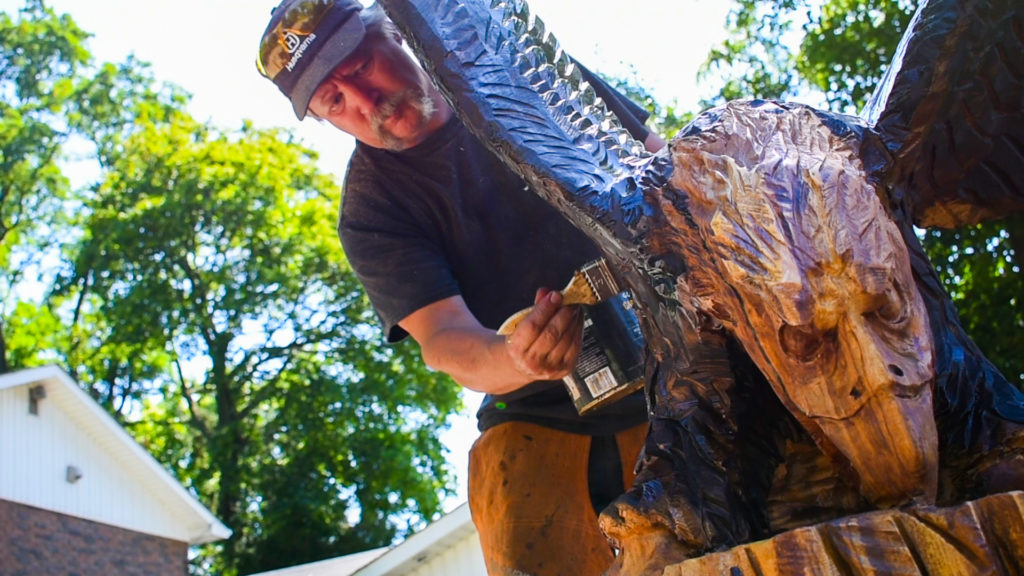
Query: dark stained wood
point(949, 110)
point(804, 362)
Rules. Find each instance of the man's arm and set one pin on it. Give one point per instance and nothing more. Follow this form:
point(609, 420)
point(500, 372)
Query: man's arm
point(543, 347)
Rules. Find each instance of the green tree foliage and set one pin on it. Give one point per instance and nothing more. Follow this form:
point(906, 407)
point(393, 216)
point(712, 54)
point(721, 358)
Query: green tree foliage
point(832, 53)
point(196, 288)
point(825, 50)
point(39, 72)
point(847, 45)
point(753, 61)
point(54, 104)
point(39, 75)
point(210, 273)
point(664, 120)
point(980, 266)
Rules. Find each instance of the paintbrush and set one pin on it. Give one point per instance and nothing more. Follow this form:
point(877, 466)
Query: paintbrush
point(591, 284)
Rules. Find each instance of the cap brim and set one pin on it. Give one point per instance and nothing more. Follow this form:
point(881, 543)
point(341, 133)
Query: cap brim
point(336, 49)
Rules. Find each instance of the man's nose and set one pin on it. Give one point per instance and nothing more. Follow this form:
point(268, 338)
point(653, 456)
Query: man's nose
point(363, 96)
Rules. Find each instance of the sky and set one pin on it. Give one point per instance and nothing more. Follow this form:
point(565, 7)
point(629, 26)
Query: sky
point(208, 47)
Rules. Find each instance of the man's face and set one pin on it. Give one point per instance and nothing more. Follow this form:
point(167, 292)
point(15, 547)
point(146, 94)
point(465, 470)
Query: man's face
point(378, 95)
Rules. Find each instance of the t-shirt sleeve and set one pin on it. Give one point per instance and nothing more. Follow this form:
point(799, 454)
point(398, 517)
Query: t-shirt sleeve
point(400, 262)
point(630, 114)
point(401, 268)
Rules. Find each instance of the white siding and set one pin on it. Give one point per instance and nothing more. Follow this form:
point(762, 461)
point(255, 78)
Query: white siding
point(446, 547)
point(463, 558)
point(35, 451)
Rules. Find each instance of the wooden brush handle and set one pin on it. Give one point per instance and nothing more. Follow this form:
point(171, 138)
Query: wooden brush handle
point(509, 326)
point(578, 291)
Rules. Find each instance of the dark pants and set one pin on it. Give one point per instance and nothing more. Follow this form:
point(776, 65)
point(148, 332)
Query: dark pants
point(531, 499)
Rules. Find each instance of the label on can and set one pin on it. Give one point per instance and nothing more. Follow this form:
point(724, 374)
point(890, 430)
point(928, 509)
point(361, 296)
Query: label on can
point(611, 361)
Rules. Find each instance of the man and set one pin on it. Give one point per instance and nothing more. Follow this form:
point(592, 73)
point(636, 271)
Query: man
point(448, 242)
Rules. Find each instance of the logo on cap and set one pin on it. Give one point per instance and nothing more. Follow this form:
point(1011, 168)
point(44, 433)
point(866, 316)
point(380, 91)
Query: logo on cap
point(296, 45)
point(291, 41)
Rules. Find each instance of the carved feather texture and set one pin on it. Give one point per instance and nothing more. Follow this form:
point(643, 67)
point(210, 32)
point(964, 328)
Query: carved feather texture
point(520, 94)
point(524, 96)
point(951, 111)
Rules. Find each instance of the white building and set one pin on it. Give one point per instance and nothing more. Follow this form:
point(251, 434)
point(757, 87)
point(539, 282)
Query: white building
point(79, 495)
point(447, 547)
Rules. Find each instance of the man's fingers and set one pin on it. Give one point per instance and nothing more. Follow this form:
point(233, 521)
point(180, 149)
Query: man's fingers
point(541, 293)
point(552, 332)
point(553, 353)
point(546, 343)
point(547, 305)
point(569, 347)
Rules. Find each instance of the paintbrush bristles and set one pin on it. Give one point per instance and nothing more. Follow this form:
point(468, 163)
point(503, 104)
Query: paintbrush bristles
point(579, 290)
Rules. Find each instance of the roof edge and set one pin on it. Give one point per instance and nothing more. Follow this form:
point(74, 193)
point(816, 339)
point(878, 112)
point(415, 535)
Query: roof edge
point(413, 548)
point(213, 529)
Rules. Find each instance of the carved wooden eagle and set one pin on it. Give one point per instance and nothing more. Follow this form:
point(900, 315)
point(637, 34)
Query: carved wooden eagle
point(804, 359)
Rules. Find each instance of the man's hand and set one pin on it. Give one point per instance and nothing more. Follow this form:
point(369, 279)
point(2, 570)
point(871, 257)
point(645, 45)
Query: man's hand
point(543, 347)
point(545, 344)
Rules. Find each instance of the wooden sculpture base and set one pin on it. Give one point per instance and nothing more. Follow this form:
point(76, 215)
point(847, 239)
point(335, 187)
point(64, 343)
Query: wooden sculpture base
point(984, 536)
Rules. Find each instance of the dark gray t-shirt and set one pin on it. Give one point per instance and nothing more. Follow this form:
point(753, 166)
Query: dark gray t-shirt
point(448, 218)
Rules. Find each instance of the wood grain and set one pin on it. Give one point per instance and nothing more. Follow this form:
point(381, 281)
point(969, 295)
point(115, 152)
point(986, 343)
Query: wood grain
point(980, 537)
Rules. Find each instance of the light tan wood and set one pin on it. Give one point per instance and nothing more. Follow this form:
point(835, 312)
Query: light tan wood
point(813, 277)
point(790, 249)
point(980, 537)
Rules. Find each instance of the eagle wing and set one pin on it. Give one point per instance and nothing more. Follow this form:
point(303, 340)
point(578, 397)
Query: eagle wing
point(950, 109)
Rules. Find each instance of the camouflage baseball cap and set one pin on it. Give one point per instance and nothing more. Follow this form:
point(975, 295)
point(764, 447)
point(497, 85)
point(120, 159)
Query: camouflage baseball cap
point(305, 41)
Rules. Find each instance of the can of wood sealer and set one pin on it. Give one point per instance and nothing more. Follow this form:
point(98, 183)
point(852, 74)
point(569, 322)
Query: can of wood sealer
point(611, 361)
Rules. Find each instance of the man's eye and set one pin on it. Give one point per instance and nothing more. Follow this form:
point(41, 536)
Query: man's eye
point(337, 100)
point(363, 68)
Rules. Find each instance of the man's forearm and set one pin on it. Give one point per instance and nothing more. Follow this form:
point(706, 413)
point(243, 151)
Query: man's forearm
point(477, 359)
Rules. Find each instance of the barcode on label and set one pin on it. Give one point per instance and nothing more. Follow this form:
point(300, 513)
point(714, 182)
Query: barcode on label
point(600, 382)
